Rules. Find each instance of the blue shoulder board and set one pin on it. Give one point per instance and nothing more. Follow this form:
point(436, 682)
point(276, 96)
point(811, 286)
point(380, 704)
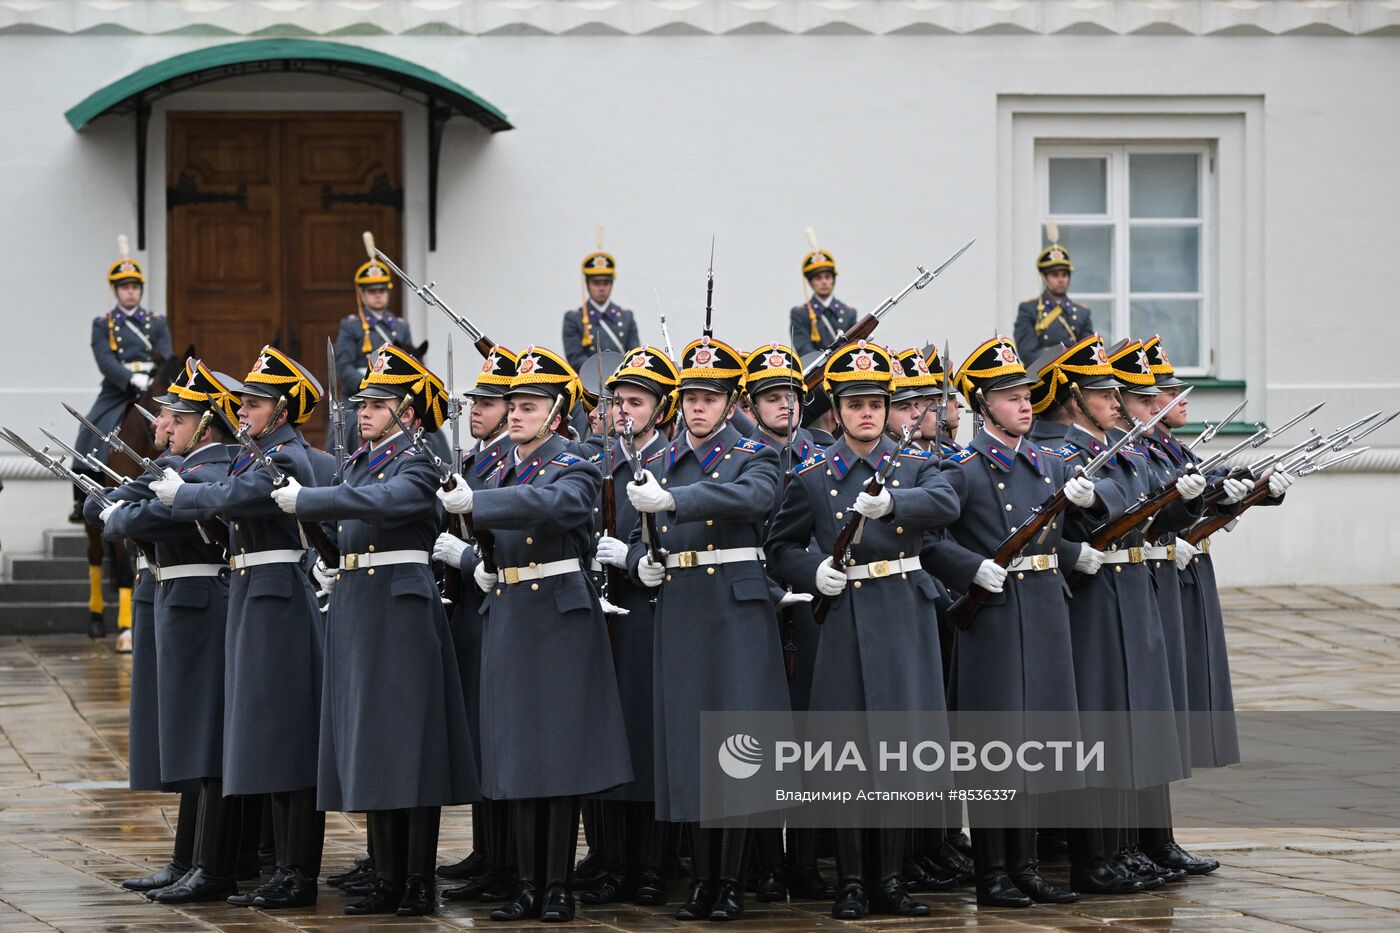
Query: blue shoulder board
point(596, 458)
point(565, 459)
point(1052, 451)
point(1134, 451)
point(914, 453)
point(963, 456)
point(1069, 452)
point(749, 445)
point(811, 463)
point(411, 452)
point(658, 453)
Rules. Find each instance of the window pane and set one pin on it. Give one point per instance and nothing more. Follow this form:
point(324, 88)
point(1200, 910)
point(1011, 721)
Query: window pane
point(1078, 186)
point(1091, 254)
point(1178, 320)
point(1164, 259)
point(1101, 316)
point(1163, 185)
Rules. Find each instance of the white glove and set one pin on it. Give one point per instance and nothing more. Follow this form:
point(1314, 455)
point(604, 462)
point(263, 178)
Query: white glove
point(140, 382)
point(448, 549)
point(611, 551)
point(649, 496)
point(1184, 553)
point(830, 581)
point(794, 599)
point(1080, 491)
point(109, 509)
point(650, 572)
point(990, 576)
point(166, 487)
point(286, 495)
point(1279, 483)
point(484, 578)
point(876, 506)
point(1089, 560)
point(1235, 490)
point(1190, 485)
point(325, 576)
point(458, 499)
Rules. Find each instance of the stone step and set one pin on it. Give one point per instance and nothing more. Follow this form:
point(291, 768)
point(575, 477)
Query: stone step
point(66, 543)
point(51, 591)
point(39, 618)
point(48, 568)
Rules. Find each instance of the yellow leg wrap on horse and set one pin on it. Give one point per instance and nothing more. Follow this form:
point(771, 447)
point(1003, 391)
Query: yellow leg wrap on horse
point(124, 608)
point(95, 603)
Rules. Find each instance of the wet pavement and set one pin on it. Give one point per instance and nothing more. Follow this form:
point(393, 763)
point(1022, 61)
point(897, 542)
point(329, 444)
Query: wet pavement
point(69, 831)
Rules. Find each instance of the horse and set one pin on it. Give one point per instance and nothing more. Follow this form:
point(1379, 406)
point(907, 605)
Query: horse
point(136, 433)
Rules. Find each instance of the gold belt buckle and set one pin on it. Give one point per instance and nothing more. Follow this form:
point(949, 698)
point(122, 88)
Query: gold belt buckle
point(512, 574)
point(687, 558)
point(1040, 561)
point(352, 562)
point(880, 568)
point(1171, 552)
point(233, 562)
point(1134, 555)
point(1205, 545)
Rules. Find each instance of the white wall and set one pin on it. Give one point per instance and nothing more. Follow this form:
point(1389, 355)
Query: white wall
point(888, 146)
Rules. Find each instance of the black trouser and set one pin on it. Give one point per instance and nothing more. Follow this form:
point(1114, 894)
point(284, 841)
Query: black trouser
point(1000, 848)
point(404, 843)
point(716, 854)
point(298, 830)
point(546, 837)
point(186, 828)
point(867, 856)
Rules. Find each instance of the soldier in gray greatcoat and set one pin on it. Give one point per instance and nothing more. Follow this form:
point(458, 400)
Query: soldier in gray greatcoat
point(776, 394)
point(815, 324)
point(1051, 318)
point(1120, 654)
point(190, 614)
point(127, 343)
point(639, 394)
point(600, 325)
point(717, 644)
point(879, 646)
point(273, 641)
point(551, 721)
point(387, 636)
point(489, 868)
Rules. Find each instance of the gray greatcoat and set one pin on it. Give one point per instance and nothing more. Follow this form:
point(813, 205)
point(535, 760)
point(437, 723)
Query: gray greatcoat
point(190, 617)
point(1120, 654)
point(273, 641)
point(394, 731)
point(115, 327)
point(717, 645)
point(551, 720)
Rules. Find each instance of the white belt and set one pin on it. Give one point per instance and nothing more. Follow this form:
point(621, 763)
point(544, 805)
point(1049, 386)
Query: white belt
point(1159, 552)
point(882, 568)
point(263, 558)
point(726, 555)
point(551, 568)
point(1128, 555)
point(142, 563)
point(140, 366)
point(381, 559)
point(1034, 562)
point(181, 571)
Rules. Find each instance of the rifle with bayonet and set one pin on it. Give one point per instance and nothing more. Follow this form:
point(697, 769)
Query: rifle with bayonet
point(710, 292)
point(651, 539)
point(483, 343)
point(862, 329)
point(941, 417)
point(452, 577)
point(1037, 524)
point(150, 418)
point(335, 412)
point(88, 460)
point(665, 332)
point(787, 626)
point(611, 578)
point(1213, 428)
point(1303, 464)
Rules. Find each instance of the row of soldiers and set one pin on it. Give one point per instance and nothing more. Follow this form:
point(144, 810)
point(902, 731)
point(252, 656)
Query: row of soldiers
point(529, 703)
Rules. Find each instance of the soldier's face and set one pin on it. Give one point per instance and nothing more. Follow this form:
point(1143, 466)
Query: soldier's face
point(129, 295)
point(487, 415)
point(823, 283)
point(634, 404)
point(1057, 281)
point(1141, 407)
point(181, 425)
point(376, 297)
point(161, 428)
point(255, 413)
point(954, 416)
point(600, 289)
point(526, 418)
point(905, 412)
point(376, 417)
point(863, 416)
point(704, 410)
point(1103, 405)
point(1177, 416)
point(1011, 408)
point(776, 409)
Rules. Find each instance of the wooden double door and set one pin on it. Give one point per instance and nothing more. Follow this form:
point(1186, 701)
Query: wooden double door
point(265, 216)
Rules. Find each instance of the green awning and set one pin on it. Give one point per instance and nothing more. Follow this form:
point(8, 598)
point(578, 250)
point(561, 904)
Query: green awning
point(261, 56)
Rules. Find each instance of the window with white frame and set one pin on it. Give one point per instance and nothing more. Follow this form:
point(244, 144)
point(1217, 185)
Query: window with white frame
point(1136, 220)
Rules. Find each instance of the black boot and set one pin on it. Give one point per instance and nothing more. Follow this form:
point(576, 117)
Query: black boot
point(470, 867)
point(181, 854)
point(528, 818)
point(352, 873)
point(215, 849)
point(651, 838)
point(561, 841)
point(419, 897)
point(388, 834)
point(890, 895)
point(384, 899)
point(704, 869)
point(1091, 869)
point(557, 906)
point(609, 885)
point(850, 901)
point(420, 885)
point(524, 906)
point(729, 895)
point(804, 879)
point(272, 887)
point(994, 886)
point(1023, 866)
point(771, 885)
point(195, 887)
point(171, 873)
point(959, 841)
point(1171, 855)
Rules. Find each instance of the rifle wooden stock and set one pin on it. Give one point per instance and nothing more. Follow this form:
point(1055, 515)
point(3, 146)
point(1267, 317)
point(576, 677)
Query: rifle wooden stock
point(216, 530)
point(321, 542)
point(967, 606)
point(1104, 536)
point(861, 330)
point(1209, 526)
point(822, 604)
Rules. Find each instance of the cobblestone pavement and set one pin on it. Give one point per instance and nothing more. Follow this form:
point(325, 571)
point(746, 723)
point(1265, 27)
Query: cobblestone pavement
point(69, 831)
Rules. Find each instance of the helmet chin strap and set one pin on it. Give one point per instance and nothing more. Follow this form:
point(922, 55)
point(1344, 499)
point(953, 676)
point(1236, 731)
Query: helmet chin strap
point(277, 410)
point(987, 413)
point(199, 430)
point(549, 419)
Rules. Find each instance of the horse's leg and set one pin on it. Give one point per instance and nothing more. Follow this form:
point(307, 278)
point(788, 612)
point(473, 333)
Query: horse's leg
point(97, 628)
point(123, 576)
